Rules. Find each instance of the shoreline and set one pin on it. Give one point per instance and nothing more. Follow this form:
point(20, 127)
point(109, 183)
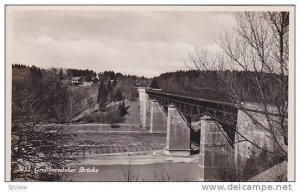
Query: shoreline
point(149, 157)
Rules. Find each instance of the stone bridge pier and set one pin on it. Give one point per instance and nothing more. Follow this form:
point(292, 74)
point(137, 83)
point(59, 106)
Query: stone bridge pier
point(152, 115)
point(215, 152)
point(144, 108)
point(178, 140)
point(158, 118)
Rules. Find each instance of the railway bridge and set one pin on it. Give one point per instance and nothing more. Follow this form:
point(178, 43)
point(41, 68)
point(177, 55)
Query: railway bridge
point(222, 128)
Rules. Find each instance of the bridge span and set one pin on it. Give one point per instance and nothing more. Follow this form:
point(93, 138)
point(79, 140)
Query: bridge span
point(225, 131)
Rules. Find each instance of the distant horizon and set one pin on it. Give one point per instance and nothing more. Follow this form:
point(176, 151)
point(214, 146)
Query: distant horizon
point(97, 72)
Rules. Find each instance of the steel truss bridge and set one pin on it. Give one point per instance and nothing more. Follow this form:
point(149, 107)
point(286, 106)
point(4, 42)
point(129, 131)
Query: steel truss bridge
point(224, 114)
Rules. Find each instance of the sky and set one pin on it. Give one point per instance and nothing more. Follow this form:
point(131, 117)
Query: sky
point(135, 41)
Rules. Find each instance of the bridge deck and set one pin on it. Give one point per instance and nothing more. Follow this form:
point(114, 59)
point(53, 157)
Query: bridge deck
point(212, 105)
point(194, 99)
point(190, 106)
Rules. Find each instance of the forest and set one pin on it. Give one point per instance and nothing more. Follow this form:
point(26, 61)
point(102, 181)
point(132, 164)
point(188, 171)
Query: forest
point(209, 84)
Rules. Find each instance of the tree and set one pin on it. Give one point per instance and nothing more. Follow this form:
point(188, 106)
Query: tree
point(102, 95)
point(109, 91)
point(258, 47)
point(279, 23)
point(61, 74)
point(130, 174)
point(154, 84)
point(119, 96)
point(109, 86)
point(114, 84)
point(88, 78)
point(122, 109)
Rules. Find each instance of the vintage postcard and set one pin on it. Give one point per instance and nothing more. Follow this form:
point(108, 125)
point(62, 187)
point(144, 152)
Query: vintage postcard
point(149, 93)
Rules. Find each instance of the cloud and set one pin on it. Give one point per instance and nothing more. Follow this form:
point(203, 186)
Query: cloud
point(134, 42)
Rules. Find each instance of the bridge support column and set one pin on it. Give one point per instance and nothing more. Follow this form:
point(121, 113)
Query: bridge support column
point(178, 140)
point(158, 118)
point(215, 152)
point(144, 108)
point(246, 127)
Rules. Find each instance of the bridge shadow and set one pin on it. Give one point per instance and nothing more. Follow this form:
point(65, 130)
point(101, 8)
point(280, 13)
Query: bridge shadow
point(195, 141)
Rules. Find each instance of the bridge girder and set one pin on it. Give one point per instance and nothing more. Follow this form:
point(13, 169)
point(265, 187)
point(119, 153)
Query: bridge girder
point(224, 114)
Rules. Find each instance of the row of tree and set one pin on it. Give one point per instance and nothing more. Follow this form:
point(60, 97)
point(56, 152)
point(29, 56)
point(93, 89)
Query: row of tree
point(18, 65)
point(88, 74)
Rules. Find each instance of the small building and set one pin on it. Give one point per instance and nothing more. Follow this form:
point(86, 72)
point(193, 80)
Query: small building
point(77, 80)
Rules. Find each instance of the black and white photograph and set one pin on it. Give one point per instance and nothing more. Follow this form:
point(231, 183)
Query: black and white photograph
point(137, 93)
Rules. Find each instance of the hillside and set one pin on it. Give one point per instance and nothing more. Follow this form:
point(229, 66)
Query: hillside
point(59, 102)
point(81, 98)
point(133, 115)
point(111, 114)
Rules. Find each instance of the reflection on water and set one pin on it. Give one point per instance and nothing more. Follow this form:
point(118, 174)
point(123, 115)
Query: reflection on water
point(149, 172)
